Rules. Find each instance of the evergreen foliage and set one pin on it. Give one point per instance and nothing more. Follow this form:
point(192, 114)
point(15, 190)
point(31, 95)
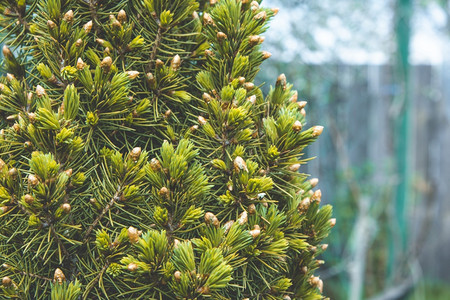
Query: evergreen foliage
point(140, 161)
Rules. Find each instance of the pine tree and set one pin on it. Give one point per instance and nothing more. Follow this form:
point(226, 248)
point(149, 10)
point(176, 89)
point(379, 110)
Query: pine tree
point(139, 160)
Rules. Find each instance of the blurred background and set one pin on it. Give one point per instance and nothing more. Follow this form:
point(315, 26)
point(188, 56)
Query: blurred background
point(376, 74)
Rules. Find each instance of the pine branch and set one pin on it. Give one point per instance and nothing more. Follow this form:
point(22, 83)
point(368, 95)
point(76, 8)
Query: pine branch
point(95, 280)
point(155, 47)
point(100, 216)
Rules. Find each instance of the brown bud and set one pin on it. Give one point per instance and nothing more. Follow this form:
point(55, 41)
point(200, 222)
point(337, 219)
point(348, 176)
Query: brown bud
point(286, 297)
point(332, 222)
point(249, 86)
point(317, 130)
point(88, 27)
point(193, 128)
point(150, 78)
point(294, 97)
point(155, 164)
point(324, 247)
point(116, 24)
point(106, 64)
point(201, 120)
point(275, 10)
point(122, 16)
point(314, 281)
point(297, 126)
point(68, 16)
point(255, 40)
point(252, 99)
point(240, 164)
point(28, 198)
point(177, 276)
point(304, 204)
point(313, 182)
point(221, 36)
point(317, 196)
point(16, 127)
point(159, 63)
point(59, 276)
point(69, 172)
point(254, 6)
point(294, 167)
point(40, 91)
point(207, 97)
point(51, 24)
point(10, 77)
point(176, 243)
point(2, 164)
point(164, 192)
point(135, 153)
point(79, 43)
point(261, 16)
point(281, 81)
point(302, 104)
point(243, 218)
point(228, 225)
point(175, 63)
point(241, 80)
point(304, 269)
point(80, 64)
point(13, 173)
point(133, 234)
point(266, 54)
point(4, 209)
point(303, 112)
point(251, 209)
point(210, 218)
point(66, 208)
point(32, 180)
point(7, 53)
point(255, 232)
point(132, 267)
point(6, 281)
point(132, 74)
point(209, 53)
point(320, 286)
point(207, 20)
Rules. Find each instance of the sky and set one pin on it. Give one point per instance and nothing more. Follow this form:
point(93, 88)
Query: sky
point(355, 38)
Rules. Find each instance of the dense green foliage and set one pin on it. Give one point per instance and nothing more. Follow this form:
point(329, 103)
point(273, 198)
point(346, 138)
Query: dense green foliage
point(140, 161)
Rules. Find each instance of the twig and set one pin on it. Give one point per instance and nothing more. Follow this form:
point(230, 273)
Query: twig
point(100, 216)
point(96, 279)
point(33, 275)
point(155, 47)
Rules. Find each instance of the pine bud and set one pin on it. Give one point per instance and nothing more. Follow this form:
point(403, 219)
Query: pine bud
point(116, 24)
point(297, 126)
point(243, 218)
point(249, 86)
point(133, 234)
point(303, 112)
point(164, 192)
point(176, 62)
point(79, 43)
point(155, 164)
point(176, 243)
point(80, 64)
point(240, 164)
point(177, 276)
point(313, 182)
point(7, 53)
point(28, 198)
point(59, 276)
point(132, 267)
point(10, 77)
point(212, 2)
point(69, 172)
point(210, 218)
point(252, 99)
point(40, 91)
point(241, 80)
point(16, 127)
point(294, 97)
point(294, 167)
point(304, 204)
point(106, 63)
point(122, 16)
point(32, 180)
point(281, 81)
point(51, 24)
point(255, 232)
point(261, 16)
point(254, 6)
point(332, 222)
point(88, 27)
point(251, 209)
point(314, 281)
point(13, 173)
point(68, 16)
point(275, 10)
point(150, 78)
point(317, 196)
point(255, 40)
point(302, 104)
point(207, 20)
point(6, 281)
point(66, 208)
point(193, 128)
point(324, 247)
point(135, 153)
point(4, 209)
point(159, 63)
point(304, 269)
point(221, 36)
point(201, 120)
point(317, 130)
point(266, 54)
point(320, 286)
point(286, 297)
point(2, 164)
point(228, 225)
point(207, 97)
point(209, 53)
